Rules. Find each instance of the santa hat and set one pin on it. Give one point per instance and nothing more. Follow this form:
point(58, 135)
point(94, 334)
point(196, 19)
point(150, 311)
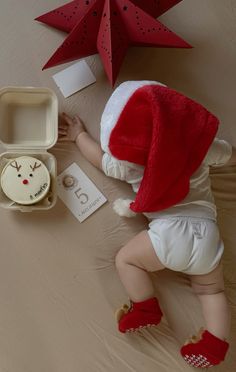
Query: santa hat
point(149, 124)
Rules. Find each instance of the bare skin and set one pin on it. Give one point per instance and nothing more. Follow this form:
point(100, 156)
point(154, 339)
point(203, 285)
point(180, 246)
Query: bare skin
point(73, 130)
point(137, 258)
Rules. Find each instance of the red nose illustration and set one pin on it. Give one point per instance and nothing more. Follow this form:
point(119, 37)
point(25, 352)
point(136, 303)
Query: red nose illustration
point(25, 182)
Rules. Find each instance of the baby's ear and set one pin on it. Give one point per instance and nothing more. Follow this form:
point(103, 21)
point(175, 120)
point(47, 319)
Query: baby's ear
point(122, 208)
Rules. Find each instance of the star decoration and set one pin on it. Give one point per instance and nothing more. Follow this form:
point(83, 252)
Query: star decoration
point(109, 27)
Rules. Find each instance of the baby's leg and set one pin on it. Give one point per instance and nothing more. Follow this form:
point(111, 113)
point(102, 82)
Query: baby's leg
point(210, 347)
point(210, 291)
point(133, 262)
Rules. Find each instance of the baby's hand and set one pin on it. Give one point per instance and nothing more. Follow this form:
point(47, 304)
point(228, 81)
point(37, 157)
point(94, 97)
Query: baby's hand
point(70, 128)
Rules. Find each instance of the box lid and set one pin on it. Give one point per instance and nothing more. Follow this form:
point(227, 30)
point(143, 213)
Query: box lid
point(28, 118)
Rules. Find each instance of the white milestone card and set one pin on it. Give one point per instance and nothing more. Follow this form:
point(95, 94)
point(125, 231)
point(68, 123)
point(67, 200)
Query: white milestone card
point(78, 192)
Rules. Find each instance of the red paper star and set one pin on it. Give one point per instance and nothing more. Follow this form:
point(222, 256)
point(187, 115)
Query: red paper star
point(109, 27)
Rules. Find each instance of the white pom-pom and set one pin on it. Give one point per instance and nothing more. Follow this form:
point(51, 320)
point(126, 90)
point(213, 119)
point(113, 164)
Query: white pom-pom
point(121, 207)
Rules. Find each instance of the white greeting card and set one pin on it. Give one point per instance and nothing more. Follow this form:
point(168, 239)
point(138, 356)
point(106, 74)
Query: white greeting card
point(74, 78)
point(78, 192)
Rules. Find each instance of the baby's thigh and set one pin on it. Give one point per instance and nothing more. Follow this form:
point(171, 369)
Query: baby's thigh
point(210, 283)
point(139, 252)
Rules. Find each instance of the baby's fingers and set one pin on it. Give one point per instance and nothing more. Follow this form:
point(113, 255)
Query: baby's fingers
point(63, 138)
point(76, 119)
point(63, 126)
point(67, 118)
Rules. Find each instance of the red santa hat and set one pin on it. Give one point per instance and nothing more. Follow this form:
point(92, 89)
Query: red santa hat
point(149, 124)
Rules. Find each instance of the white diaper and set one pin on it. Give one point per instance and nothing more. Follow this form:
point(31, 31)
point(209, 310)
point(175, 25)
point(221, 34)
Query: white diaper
point(187, 244)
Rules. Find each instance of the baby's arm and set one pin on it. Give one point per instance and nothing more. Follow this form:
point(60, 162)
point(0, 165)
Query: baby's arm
point(73, 130)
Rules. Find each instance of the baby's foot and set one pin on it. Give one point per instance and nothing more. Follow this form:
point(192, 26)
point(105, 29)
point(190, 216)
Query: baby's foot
point(139, 315)
point(205, 350)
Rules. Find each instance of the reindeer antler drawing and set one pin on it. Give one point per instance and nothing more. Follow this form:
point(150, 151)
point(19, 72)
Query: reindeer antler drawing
point(18, 167)
point(35, 166)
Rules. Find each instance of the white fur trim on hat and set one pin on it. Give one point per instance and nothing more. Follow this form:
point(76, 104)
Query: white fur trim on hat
point(115, 106)
point(121, 207)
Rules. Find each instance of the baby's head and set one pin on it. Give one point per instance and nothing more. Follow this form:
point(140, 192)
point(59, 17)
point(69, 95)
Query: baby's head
point(149, 124)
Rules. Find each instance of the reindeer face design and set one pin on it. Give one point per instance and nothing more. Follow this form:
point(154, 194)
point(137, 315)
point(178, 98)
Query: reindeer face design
point(25, 180)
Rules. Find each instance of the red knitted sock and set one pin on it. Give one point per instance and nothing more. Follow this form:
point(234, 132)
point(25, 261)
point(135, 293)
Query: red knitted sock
point(140, 315)
point(207, 352)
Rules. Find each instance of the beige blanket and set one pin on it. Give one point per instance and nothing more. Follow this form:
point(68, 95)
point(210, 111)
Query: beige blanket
point(58, 285)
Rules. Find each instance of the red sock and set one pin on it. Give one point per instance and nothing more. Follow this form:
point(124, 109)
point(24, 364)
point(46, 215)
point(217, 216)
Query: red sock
point(141, 314)
point(207, 352)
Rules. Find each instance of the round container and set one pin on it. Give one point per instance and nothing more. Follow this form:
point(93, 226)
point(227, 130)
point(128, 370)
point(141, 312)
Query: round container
point(25, 180)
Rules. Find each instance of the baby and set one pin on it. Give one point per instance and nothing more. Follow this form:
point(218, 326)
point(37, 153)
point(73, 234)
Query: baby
point(163, 143)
